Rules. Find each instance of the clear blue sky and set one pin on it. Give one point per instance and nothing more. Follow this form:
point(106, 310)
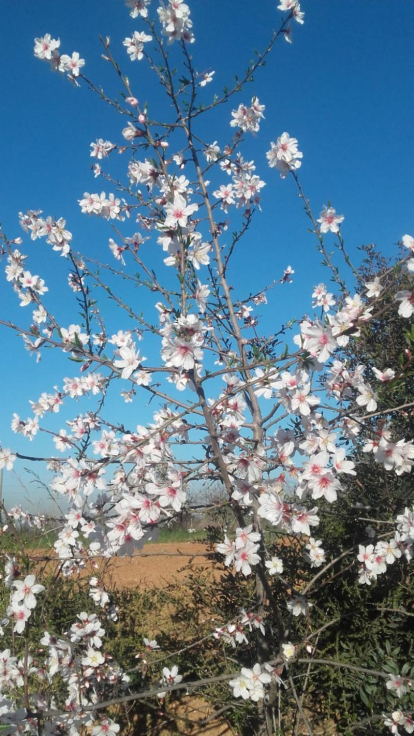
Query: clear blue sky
point(344, 89)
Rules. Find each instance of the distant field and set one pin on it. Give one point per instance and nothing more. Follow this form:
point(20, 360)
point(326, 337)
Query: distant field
point(31, 540)
point(180, 535)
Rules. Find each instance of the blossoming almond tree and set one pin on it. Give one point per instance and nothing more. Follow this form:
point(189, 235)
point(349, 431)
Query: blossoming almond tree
point(273, 424)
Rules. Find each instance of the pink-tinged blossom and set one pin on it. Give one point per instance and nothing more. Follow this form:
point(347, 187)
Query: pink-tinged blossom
point(245, 466)
point(178, 212)
point(169, 677)
point(316, 465)
point(384, 376)
point(117, 250)
point(266, 385)
point(20, 613)
point(26, 590)
point(97, 593)
point(284, 155)
point(325, 485)
point(201, 296)
point(175, 20)
point(246, 557)
point(138, 8)
point(245, 536)
point(212, 152)
point(399, 719)
point(303, 519)
point(135, 241)
point(131, 132)
point(108, 207)
point(135, 45)
point(246, 190)
point(303, 402)
point(329, 220)
point(181, 354)
point(248, 118)
point(91, 203)
point(45, 46)
point(317, 339)
point(226, 196)
point(366, 555)
point(71, 64)
point(294, 7)
point(258, 679)
point(105, 728)
point(323, 298)
point(101, 149)
point(170, 495)
point(397, 684)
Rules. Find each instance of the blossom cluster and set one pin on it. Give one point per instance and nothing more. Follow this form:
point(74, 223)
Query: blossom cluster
point(176, 22)
point(284, 155)
point(248, 118)
point(235, 632)
point(47, 48)
point(249, 685)
point(243, 551)
point(374, 559)
point(245, 189)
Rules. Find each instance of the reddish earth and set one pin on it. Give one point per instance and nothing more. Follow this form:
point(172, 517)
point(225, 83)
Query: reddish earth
point(157, 565)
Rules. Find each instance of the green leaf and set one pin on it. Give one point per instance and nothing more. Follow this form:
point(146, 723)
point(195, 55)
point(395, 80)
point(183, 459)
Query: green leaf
point(365, 699)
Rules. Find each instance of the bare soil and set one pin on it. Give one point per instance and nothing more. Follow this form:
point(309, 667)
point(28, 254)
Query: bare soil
point(157, 565)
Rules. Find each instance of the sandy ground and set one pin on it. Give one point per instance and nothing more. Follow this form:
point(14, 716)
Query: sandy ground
point(157, 565)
